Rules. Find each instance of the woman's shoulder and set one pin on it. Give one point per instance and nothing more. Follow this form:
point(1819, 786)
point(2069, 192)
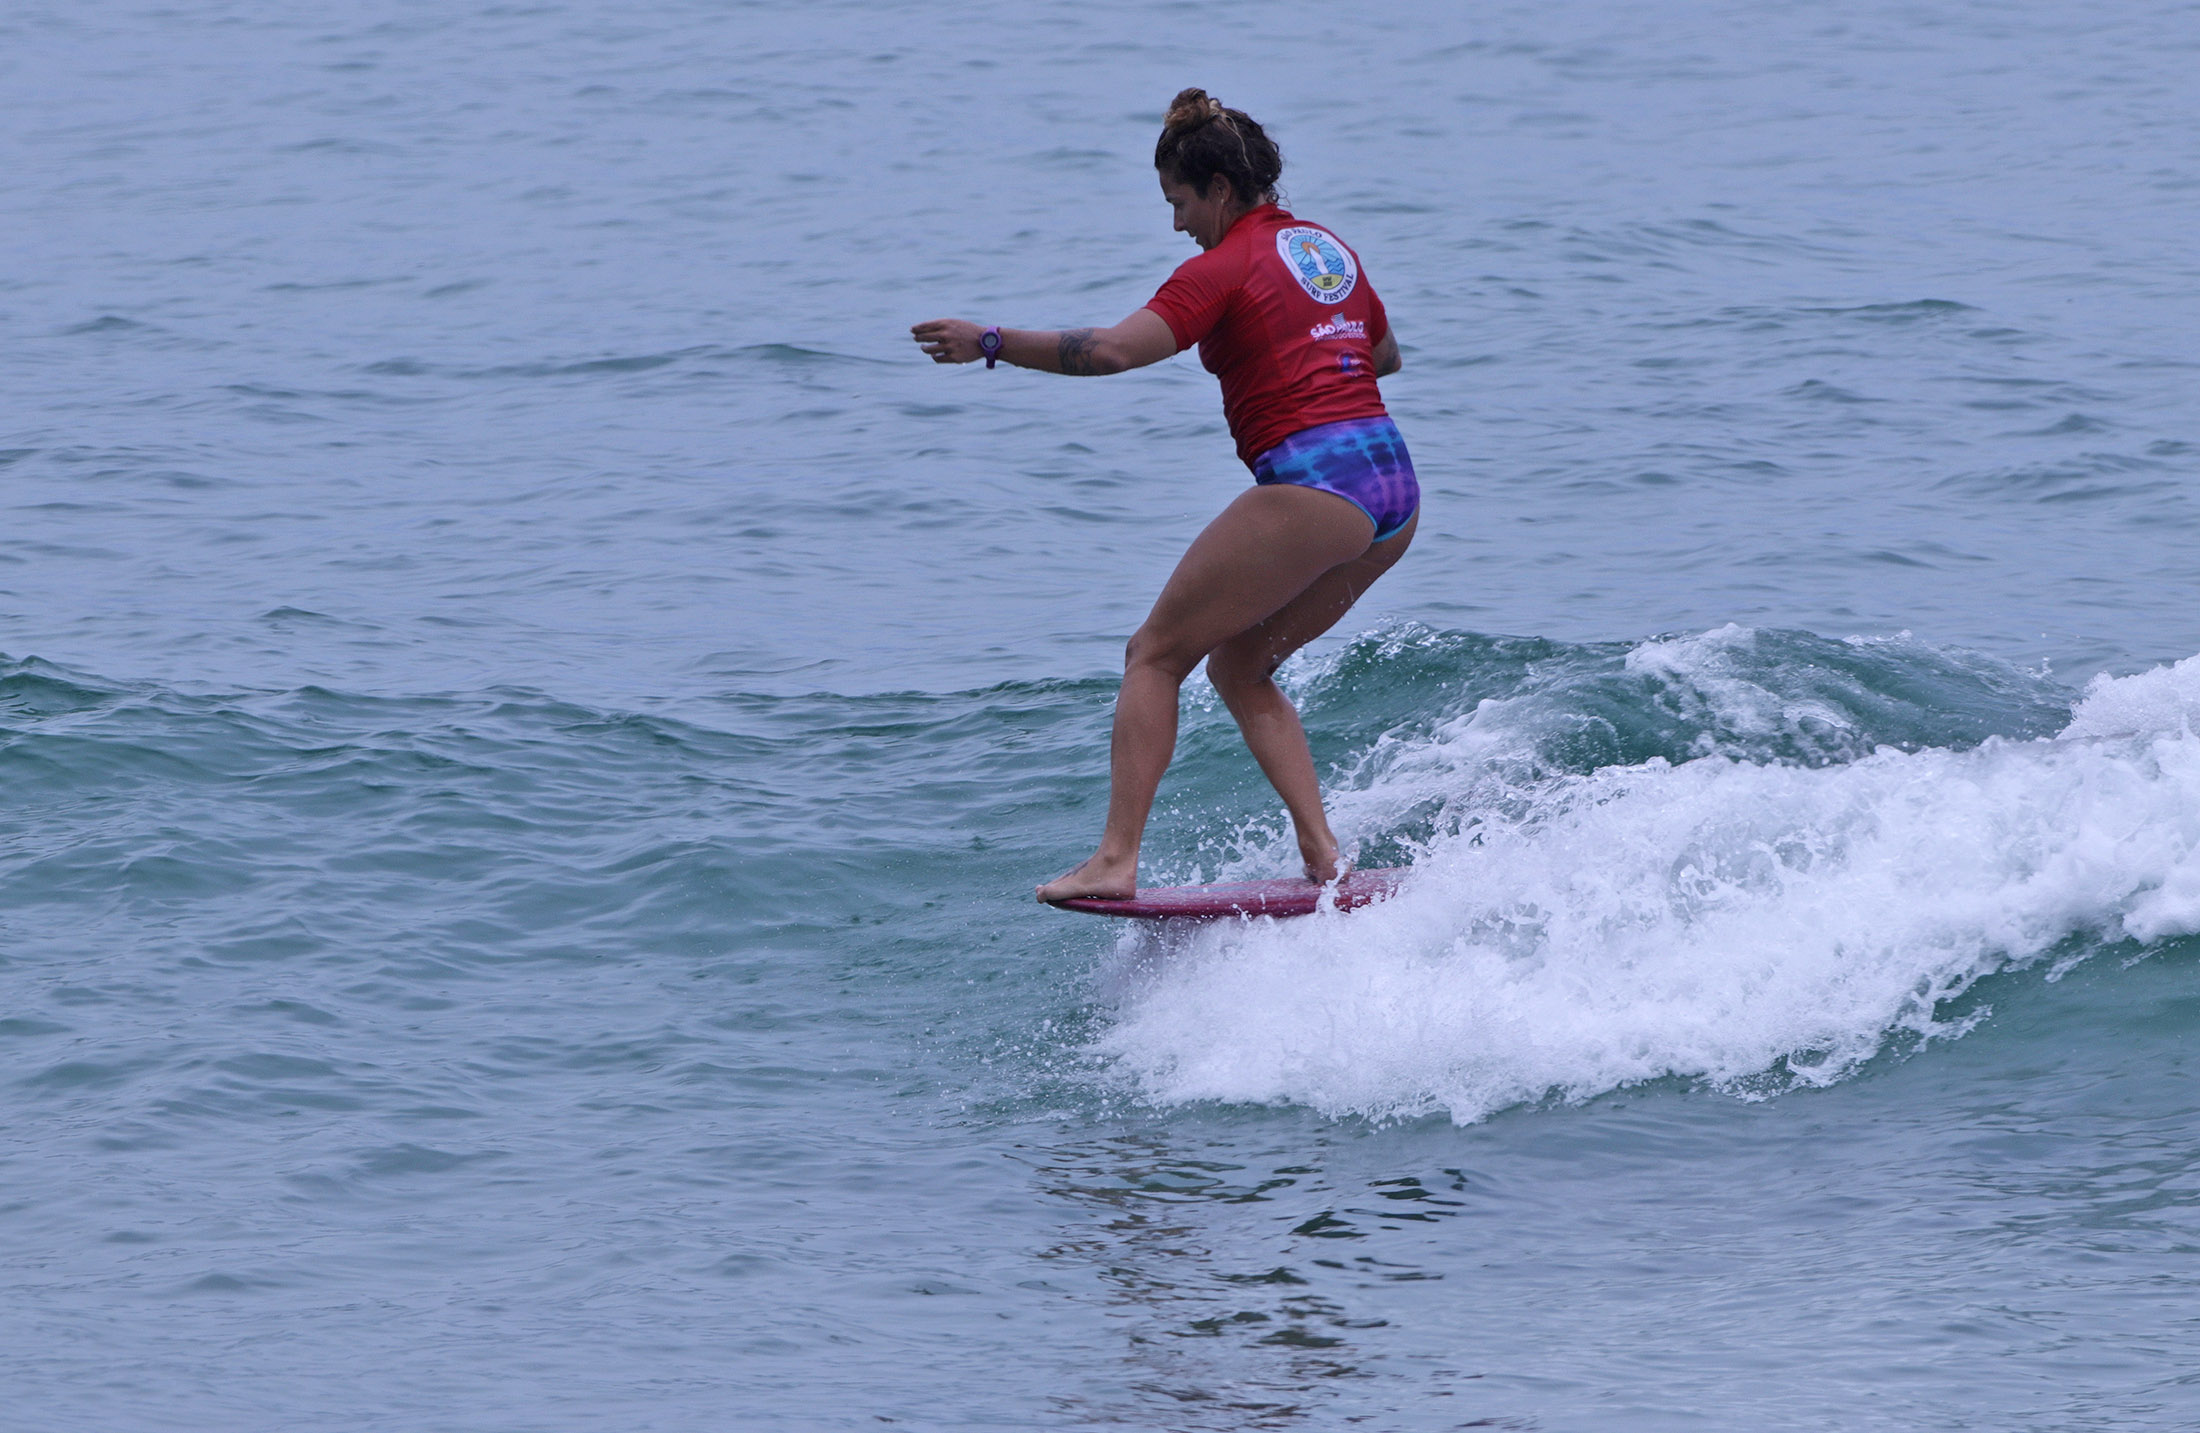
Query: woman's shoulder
point(1286, 222)
point(1296, 239)
point(1248, 239)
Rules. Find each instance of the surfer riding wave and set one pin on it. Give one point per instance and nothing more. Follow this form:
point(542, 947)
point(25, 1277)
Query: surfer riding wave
point(1283, 314)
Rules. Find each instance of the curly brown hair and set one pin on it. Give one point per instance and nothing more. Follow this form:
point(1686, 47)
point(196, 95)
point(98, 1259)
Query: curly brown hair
point(1200, 138)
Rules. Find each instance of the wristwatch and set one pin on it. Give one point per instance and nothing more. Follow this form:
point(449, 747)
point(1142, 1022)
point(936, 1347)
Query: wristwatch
point(989, 343)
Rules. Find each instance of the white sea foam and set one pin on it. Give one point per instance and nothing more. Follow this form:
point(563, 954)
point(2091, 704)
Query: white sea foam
point(1740, 923)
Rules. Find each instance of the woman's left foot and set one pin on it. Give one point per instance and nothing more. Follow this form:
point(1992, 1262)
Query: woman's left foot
point(1099, 878)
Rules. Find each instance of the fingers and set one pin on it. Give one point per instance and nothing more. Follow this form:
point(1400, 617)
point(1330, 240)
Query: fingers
point(942, 340)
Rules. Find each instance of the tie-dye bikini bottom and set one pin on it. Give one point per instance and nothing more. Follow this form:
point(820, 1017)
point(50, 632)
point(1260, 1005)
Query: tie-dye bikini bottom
point(1362, 460)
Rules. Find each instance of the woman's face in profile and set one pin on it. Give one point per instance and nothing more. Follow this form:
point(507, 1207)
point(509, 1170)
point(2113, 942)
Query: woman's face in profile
point(1206, 217)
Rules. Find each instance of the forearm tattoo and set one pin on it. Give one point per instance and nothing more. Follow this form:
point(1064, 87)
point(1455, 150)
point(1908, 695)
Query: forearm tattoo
point(1075, 351)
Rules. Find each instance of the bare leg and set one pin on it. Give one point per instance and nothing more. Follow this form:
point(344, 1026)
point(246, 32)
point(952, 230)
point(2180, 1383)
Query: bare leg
point(1261, 552)
point(1243, 671)
point(1278, 741)
point(1143, 741)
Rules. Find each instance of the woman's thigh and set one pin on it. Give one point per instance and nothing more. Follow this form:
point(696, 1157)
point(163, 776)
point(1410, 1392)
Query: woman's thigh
point(1260, 648)
point(1261, 552)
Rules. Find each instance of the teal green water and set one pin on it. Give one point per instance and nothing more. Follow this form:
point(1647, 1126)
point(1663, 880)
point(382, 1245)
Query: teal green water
point(529, 718)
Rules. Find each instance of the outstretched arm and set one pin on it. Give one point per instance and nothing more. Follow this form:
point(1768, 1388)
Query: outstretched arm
point(1141, 339)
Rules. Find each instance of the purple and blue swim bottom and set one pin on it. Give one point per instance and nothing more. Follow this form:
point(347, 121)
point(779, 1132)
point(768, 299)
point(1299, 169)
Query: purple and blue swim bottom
point(1362, 460)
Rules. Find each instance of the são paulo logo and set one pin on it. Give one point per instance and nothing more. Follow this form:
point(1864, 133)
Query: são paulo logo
point(1321, 265)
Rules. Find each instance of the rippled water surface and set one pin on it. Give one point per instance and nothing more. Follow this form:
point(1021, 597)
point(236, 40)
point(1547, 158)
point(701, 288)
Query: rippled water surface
point(529, 716)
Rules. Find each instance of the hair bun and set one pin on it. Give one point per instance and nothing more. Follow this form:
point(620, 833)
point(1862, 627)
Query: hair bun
point(1190, 109)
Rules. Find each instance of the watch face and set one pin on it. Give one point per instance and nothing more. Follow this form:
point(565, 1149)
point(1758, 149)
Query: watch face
point(990, 341)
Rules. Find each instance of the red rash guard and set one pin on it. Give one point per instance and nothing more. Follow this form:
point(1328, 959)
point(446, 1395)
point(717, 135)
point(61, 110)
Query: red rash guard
point(1284, 317)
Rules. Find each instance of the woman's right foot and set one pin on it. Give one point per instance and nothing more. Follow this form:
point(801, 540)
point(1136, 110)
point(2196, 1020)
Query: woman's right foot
point(1096, 879)
point(1324, 864)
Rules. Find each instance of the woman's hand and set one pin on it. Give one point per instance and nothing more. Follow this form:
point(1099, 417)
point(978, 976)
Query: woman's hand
point(1141, 339)
point(949, 340)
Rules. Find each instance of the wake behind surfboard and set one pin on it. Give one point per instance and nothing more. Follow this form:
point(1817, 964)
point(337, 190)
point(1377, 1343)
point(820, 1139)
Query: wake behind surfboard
point(1294, 897)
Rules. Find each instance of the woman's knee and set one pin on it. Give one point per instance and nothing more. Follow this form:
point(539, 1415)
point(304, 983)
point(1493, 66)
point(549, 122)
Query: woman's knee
point(1238, 667)
point(1148, 648)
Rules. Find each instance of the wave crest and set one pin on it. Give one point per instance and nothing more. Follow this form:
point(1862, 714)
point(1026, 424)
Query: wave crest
point(1746, 920)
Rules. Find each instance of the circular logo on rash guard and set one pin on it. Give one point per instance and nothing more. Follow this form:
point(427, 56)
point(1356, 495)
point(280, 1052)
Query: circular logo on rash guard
point(1322, 266)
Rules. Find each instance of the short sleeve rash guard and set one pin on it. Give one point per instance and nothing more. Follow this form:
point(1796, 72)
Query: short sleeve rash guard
point(1285, 318)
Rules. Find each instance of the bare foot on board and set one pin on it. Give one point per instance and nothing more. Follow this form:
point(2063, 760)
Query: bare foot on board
point(1097, 878)
point(1325, 865)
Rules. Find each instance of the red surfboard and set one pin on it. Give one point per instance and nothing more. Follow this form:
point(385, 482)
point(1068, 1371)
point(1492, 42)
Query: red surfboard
point(1294, 897)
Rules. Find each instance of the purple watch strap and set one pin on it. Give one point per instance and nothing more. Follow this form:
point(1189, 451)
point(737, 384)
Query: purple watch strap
point(990, 343)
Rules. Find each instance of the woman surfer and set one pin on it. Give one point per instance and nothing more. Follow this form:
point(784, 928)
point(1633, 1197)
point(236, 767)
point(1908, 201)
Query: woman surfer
point(1285, 318)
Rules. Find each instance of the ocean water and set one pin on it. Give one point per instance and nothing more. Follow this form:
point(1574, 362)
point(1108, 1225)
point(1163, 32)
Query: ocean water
point(529, 716)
